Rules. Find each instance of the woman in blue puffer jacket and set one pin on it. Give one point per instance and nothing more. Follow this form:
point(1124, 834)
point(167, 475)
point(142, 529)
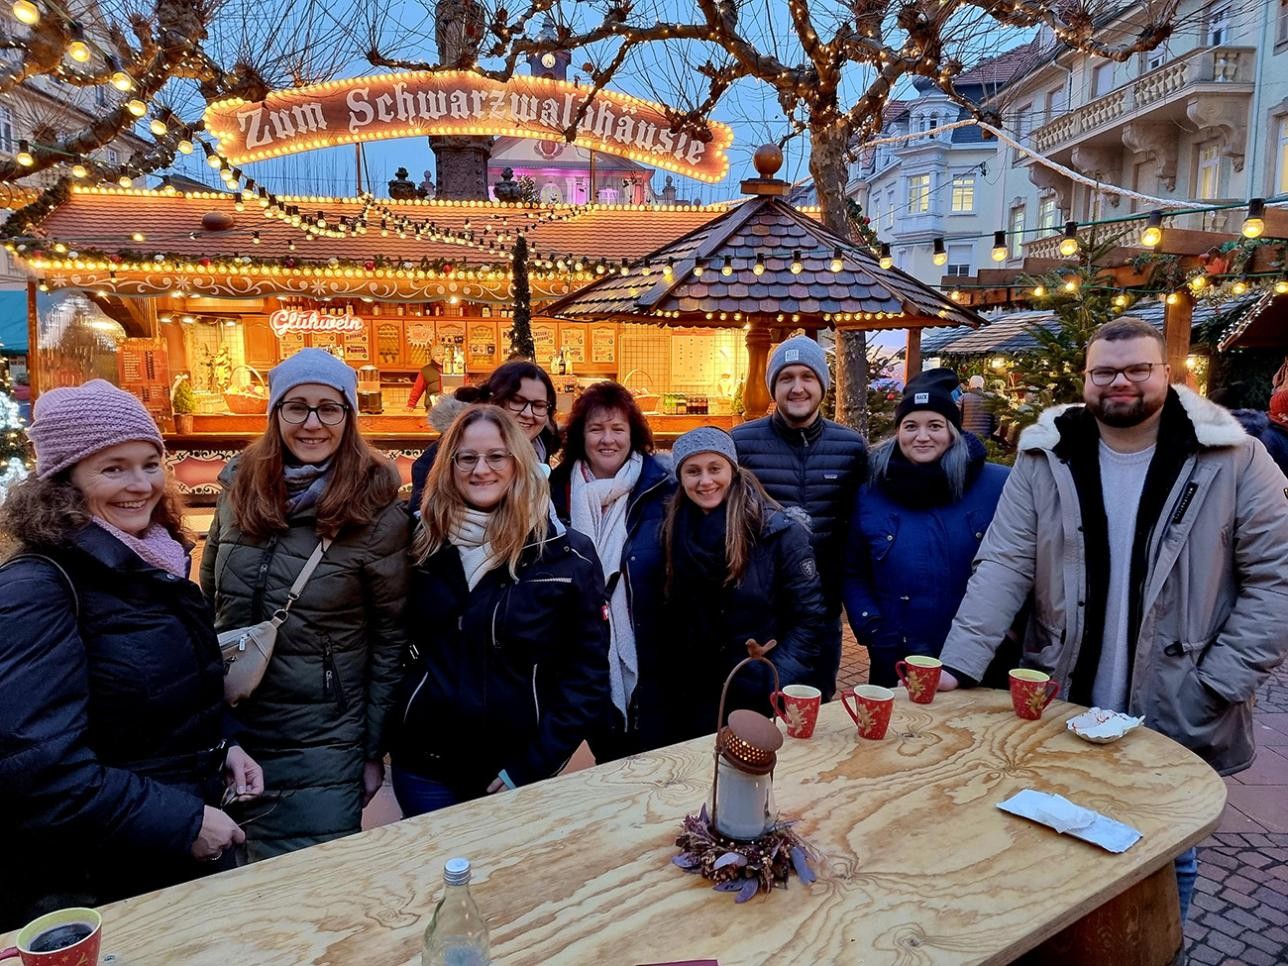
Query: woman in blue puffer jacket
point(916, 527)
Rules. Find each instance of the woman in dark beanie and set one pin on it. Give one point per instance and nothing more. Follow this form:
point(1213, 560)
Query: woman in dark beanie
point(612, 488)
point(311, 482)
point(522, 389)
point(112, 763)
point(916, 527)
point(740, 576)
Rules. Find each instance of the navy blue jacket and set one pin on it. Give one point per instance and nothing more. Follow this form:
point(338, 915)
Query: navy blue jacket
point(108, 724)
point(508, 676)
point(817, 469)
point(778, 598)
point(906, 568)
point(1273, 436)
point(642, 566)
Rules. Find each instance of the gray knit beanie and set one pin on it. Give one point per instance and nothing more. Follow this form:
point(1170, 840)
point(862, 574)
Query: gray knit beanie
point(316, 366)
point(799, 350)
point(704, 439)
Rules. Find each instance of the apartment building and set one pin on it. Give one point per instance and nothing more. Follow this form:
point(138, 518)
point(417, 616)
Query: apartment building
point(935, 191)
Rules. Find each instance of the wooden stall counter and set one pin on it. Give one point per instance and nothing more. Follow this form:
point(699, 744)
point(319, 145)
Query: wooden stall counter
point(919, 865)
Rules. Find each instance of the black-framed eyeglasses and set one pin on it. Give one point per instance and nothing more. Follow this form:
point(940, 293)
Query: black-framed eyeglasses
point(328, 413)
point(1139, 372)
point(518, 404)
point(468, 460)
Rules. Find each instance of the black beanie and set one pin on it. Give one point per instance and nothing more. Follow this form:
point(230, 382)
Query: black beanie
point(932, 390)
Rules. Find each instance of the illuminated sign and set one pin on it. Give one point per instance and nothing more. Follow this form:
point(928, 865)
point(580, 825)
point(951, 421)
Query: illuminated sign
point(461, 103)
point(293, 320)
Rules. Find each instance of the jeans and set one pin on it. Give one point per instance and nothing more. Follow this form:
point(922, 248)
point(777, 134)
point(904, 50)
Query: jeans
point(417, 795)
point(1187, 871)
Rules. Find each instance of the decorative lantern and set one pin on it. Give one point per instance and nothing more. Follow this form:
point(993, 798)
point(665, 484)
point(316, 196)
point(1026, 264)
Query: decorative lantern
point(746, 753)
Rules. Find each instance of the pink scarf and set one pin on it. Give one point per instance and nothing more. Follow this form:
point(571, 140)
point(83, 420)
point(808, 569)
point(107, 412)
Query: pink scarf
point(155, 547)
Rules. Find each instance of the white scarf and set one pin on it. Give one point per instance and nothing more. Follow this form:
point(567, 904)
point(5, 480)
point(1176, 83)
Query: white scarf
point(599, 511)
point(469, 536)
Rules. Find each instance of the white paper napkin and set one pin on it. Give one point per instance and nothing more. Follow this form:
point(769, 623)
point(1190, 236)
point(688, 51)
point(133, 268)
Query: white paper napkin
point(1067, 818)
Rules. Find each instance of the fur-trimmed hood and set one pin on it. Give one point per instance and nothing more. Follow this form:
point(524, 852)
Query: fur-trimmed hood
point(445, 411)
point(1214, 426)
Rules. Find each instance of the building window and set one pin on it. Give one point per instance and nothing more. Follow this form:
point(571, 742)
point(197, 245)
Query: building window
point(959, 258)
point(1207, 183)
point(113, 157)
point(964, 192)
point(100, 96)
point(1154, 59)
point(1016, 236)
point(890, 206)
point(1023, 122)
point(7, 139)
point(1219, 27)
point(919, 194)
point(1281, 158)
point(1102, 76)
point(1048, 213)
point(1281, 24)
point(1054, 104)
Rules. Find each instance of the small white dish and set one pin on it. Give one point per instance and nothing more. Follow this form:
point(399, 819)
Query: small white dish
point(1101, 727)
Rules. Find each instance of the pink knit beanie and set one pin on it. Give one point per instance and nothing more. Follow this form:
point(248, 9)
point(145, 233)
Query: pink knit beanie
point(71, 424)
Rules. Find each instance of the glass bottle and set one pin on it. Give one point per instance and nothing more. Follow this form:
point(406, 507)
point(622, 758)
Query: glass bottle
point(457, 935)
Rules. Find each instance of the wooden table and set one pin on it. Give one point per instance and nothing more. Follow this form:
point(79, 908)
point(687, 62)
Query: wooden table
point(921, 866)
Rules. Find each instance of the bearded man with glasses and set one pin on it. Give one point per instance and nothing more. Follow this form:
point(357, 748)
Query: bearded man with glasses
point(1151, 535)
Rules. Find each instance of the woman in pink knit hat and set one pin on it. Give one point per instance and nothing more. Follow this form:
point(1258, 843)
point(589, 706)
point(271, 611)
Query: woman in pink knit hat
point(113, 759)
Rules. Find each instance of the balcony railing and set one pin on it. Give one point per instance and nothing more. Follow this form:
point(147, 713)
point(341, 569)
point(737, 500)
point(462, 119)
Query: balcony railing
point(1226, 220)
point(1204, 65)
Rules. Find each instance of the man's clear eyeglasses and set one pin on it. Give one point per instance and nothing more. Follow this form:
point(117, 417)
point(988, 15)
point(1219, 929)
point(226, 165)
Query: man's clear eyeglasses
point(328, 413)
point(467, 461)
point(1105, 376)
point(518, 404)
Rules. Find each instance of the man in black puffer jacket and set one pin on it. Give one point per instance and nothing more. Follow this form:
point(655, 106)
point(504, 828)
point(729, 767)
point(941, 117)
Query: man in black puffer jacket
point(813, 467)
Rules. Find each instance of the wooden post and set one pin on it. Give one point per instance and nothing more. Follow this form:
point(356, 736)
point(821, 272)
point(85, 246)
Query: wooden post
point(33, 341)
point(1178, 320)
point(912, 356)
point(755, 395)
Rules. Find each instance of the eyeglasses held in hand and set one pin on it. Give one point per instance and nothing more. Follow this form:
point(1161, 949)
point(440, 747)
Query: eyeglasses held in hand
point(328, 413)
point(518, 404)
point(1105, 376)
point(467, 460)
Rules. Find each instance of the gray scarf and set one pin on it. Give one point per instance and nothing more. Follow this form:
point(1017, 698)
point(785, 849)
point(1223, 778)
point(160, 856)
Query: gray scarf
point(305, 484)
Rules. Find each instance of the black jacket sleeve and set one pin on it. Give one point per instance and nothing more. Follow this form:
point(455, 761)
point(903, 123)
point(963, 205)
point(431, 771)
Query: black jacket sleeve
point(50, 779)
point(799, 602)
point(578, 677)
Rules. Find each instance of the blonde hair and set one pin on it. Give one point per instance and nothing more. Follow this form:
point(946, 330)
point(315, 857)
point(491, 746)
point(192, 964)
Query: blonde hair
point(522, 516)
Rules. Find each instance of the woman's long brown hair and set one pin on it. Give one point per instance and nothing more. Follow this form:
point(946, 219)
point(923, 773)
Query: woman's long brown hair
point(746, 507)
point(521, 517)
point(362, 484)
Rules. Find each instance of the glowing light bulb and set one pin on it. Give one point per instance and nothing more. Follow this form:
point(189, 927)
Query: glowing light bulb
point(1172, 298)
point(999, 246)
point(1254, 225)
point(940, 256)
point(24, 11)
point(1120, 301)
point(125, 181)
point(727, 268)
point(1281, 286)
point(1239, 288)
point(886, 260)
point(158, 127)
point(796, 267)
point(78, 51)
point(1071, 285)
point(80, 171)
point(837, 262)
point(138, 236)
point(1069, 243)
point(215, 161)
point(1039, 291)
point(184, 146)
point(24, 156)
point(136, 107)
point(1152, 236)
point(1198, 283)
point(759, 267)
point(122, 81)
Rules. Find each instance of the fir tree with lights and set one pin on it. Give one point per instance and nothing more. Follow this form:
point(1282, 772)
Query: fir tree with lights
point(15, 452)
point(521, 343)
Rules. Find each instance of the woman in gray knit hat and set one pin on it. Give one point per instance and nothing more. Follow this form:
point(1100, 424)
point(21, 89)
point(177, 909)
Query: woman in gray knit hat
point(740, 579)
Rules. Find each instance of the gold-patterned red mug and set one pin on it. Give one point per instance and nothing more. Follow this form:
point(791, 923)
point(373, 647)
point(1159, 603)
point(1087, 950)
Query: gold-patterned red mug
point(797, 705)
point(1031, 692)
point(873, 706)
point(920, 676)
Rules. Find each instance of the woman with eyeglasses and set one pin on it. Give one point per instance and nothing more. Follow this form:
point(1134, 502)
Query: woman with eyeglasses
point(319, 715)
point(523, 390)
point(508, 668)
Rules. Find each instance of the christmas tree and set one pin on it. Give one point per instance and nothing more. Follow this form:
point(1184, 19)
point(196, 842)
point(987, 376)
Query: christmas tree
point(521, 344)
point(15, 453)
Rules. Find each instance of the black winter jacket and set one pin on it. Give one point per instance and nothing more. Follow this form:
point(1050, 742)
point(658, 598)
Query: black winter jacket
point(109, 726)
point(643, 567)
point(778, 598)
point(1273, 436)
point(509, 676)
point(819, 470)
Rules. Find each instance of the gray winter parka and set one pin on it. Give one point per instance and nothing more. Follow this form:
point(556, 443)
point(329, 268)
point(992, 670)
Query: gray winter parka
point(1213, 603)
point(320, 711)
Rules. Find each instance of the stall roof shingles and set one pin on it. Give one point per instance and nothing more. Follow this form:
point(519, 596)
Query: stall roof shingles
point(106, 219)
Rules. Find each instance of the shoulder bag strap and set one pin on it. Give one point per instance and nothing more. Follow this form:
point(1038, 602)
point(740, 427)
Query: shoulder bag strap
point(71, 588)
point(297, 588)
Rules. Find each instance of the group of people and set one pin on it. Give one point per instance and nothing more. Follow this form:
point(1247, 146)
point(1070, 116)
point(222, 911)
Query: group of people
point(476, 636)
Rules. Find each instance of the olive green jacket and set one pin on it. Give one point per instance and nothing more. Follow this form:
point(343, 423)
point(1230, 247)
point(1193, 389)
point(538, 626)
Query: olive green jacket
point(321, 709)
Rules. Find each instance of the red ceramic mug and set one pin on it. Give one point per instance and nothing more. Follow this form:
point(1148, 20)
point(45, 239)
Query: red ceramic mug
point(920, 676)
point(797, 705)
point(871, 713)
point(1031, 692)
point(65, 937)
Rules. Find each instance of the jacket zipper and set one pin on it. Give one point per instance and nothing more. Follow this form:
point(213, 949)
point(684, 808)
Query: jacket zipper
point(412, 699)
point(330, 677)
point(536, 701)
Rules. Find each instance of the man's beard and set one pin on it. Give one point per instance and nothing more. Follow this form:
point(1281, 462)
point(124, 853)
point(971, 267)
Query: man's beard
point(1123, 414)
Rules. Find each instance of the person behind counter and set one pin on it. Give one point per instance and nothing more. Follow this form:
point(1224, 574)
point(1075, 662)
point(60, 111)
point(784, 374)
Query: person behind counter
point(508, 668)
point(613, 489)
point(112, 767)
point(522, 389)
point(311, 481)
point(740, 573)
